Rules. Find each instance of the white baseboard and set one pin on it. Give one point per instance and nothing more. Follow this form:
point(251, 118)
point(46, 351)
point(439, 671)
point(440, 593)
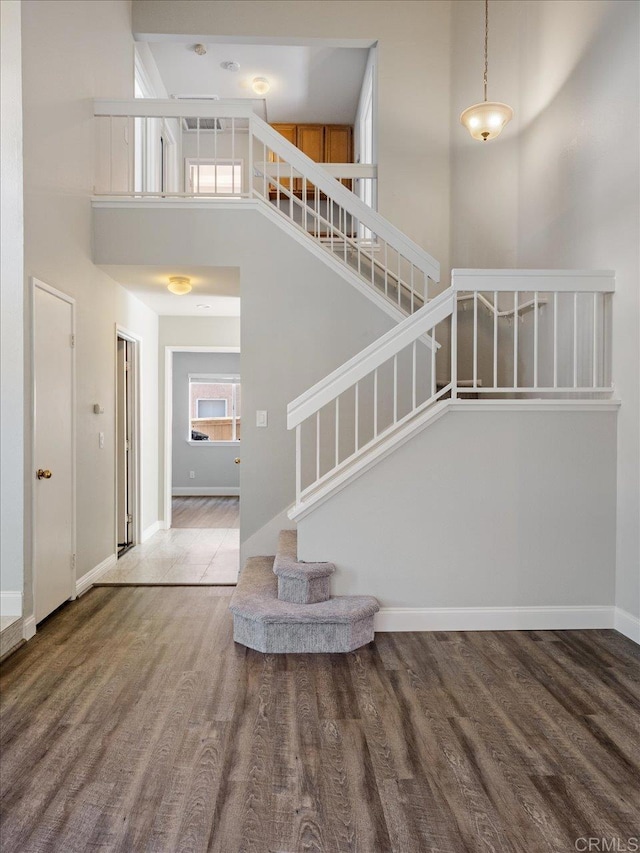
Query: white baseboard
point(493, 618)
point(153, 528)
point(205, 491)
point(10, 603)
point(627, 624)
point(87, 580)
point(29, 627)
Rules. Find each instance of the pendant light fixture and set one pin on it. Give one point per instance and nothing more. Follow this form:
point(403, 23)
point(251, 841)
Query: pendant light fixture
point(486, 120)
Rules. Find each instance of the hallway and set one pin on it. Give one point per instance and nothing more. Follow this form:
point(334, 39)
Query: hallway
point(203, 548)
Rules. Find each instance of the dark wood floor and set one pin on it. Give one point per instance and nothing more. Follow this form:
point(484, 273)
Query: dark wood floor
point(132, 722)
point(205, 512)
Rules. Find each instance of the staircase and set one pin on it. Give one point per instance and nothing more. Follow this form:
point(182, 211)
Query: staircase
point(527, 336)
point(283, 605)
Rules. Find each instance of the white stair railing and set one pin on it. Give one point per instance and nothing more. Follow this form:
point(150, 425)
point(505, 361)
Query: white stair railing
point(203, 140)
point(531, 333)
point(369, 398)
point(342, 223)
point(534, 332)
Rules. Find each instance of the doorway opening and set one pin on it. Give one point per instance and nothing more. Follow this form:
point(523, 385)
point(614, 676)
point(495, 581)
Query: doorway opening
point(127, 441)
point(203, 418)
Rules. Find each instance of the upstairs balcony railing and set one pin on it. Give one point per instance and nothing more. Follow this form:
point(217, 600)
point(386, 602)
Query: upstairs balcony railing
point(198, 150)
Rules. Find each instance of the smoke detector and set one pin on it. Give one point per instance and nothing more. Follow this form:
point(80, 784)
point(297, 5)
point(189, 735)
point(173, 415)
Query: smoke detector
point(230, 65)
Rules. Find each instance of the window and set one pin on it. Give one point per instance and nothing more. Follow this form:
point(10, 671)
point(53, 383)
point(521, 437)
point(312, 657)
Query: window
point(221, 177)
point(214, 408)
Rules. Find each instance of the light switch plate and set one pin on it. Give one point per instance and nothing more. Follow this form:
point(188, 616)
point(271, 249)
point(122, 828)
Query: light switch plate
point(261, 418)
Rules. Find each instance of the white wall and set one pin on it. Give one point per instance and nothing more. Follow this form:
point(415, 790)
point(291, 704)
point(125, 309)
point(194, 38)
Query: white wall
point(413, 85)
point(213, 464)
point(486, 509)
point(73, 52)
point(559, 188)
point(579, 201)
point(300, 320)
point(11, 298)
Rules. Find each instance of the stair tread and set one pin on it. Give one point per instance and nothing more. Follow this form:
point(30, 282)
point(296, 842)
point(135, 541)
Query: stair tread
point(286, 563)
point(256, 597)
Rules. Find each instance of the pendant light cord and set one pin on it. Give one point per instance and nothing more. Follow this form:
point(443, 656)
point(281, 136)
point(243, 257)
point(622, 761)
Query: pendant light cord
point(486, 45)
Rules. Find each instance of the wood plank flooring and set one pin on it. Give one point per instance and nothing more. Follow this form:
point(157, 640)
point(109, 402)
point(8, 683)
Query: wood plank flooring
point(205, 512)
point(132, 722)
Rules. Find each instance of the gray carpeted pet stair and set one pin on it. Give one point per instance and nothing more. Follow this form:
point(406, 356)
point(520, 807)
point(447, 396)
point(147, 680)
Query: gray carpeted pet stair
point(300, 583)
point(264, 621)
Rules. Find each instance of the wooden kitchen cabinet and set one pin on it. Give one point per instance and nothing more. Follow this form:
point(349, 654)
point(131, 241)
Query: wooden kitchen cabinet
point(323, 143)
point(338, 146)
point(311, 140)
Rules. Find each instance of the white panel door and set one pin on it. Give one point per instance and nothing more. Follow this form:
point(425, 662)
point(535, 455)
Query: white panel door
point(54, 576)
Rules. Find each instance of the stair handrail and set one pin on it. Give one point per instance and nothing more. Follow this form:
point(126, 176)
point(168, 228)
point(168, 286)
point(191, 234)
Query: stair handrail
point(172, 108)
point(411, 329)
point(529, 280)
point(369, 218)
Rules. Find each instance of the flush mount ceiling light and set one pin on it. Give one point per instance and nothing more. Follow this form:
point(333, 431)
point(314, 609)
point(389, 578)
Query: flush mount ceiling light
point(200, 49)
point(230, 66)
point(486, 120)
point(179, 284)
point(260, 85)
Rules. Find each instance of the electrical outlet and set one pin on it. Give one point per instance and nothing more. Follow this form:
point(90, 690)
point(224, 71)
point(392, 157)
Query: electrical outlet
point(192, 475)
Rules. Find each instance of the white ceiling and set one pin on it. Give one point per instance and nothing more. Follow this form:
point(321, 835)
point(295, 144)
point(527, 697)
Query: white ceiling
point(217, 287)
point(308, 83)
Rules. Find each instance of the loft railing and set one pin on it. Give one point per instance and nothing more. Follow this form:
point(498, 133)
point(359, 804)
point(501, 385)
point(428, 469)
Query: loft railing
point(532, 333)
point(198, 149)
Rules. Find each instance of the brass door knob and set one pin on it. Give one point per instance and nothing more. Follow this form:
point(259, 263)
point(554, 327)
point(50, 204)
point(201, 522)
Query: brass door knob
point(237, 460)
point(43, 474)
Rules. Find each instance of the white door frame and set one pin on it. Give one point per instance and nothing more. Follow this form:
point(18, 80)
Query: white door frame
point(136, 430)
point(37, 284)
point(168, 419)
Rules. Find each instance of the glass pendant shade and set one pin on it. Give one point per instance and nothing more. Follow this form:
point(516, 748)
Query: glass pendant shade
point(179, 284)
point(486, 120)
